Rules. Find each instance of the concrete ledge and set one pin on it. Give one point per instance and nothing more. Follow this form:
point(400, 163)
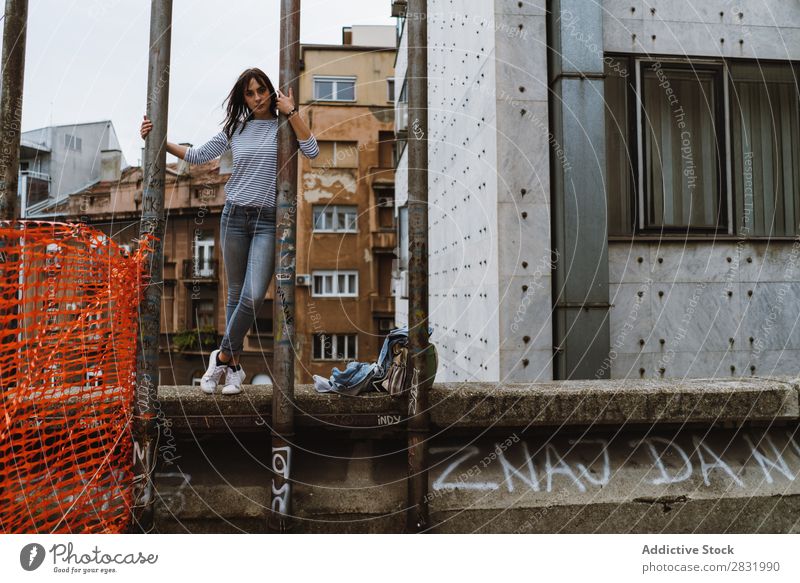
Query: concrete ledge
point(476, 405)
point(616, 402)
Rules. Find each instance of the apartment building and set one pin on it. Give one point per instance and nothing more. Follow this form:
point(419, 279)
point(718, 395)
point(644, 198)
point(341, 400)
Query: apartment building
point(345, 213)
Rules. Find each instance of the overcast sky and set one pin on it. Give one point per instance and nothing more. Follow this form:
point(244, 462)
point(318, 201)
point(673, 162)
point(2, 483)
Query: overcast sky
point(86, 60)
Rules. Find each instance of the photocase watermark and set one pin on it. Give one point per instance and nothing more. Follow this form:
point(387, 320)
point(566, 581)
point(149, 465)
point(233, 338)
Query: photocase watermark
point(536, 515)
point(163, 423)
point(776, 307)
point(687, 156)
point(163, 79)
point(541, 124)
point(65, 559)
point(9, 138)
point(207, 193)
point(318, 330)
point(534, 283)
point(466, 477)
point(417, 130)
point(688, 315)
point(572, 26)
point(31, 556)
point(746, 226)
point(633, 316)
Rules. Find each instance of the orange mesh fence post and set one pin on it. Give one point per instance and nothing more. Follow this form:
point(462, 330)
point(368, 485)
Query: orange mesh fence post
point(69, 301)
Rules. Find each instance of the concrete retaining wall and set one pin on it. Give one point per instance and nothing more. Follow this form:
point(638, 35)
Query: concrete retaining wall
point(580, 456)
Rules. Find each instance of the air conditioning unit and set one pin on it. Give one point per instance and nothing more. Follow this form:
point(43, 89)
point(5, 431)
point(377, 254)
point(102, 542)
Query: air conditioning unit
point(302, 280)
point(399, 8)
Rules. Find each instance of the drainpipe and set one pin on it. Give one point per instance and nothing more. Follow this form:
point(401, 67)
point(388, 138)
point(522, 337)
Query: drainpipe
point(579, 230)
point(152, 222)
point(285, 268)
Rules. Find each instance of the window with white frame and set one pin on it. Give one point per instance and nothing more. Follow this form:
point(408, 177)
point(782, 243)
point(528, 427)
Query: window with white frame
point(702, 145)
point(334, 88)
point(335, 218)
point(335, 346)
point(203, 265)
point(335, 283)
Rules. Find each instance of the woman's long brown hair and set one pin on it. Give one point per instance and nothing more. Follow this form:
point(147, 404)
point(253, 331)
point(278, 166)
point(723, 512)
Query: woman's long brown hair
point(237, 110)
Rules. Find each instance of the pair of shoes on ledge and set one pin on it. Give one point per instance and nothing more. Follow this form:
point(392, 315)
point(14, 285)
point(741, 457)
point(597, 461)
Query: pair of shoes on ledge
point(215, 372)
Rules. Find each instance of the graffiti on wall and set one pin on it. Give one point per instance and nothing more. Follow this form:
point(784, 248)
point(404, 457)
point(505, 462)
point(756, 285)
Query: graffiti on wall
point(742, 461)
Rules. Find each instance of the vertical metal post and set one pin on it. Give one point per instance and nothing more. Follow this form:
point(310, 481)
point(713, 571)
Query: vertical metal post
point(417, 519)
point(581, 329)
point(14, 32)
point(285, 262)
point(152, 222)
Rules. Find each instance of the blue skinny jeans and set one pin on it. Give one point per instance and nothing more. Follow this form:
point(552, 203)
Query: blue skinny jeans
point(247, 236)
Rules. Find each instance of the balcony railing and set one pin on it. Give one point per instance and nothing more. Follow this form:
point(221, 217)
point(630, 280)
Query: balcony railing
point(381, 305)
point(200, 270)
point(37, 175)
point(382, 239)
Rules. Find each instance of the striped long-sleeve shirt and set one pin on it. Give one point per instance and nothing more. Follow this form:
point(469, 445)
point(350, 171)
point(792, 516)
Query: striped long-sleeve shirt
point(255, 160)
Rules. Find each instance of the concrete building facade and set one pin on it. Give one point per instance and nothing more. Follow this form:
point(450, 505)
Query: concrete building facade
point(613, 188)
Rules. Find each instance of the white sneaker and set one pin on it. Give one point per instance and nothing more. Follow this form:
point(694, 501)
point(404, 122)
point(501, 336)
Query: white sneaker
point(213, 374)
point(233, 381)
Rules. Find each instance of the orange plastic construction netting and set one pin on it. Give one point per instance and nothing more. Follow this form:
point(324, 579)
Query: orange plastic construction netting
point(69, 300)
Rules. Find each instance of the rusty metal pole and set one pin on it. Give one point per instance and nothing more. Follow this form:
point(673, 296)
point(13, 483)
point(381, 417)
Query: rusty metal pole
point(420, 350)
point(14, 32)
point(154, 165)
point(285, 267)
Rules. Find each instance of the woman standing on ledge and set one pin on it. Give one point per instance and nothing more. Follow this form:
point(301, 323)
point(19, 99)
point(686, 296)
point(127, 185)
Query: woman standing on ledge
point(247, 224)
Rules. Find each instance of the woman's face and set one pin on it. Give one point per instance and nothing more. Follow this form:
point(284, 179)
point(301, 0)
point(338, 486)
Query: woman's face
point(256, 96)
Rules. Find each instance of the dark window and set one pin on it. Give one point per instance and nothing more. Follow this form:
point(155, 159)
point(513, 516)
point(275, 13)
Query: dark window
point(203, 313)
point(390, 90)
point(263, 325)
point(683, 153)
point(72, 143)
point(666, 163)
point(386, 149)
point(620, 158)
point(765, 148)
